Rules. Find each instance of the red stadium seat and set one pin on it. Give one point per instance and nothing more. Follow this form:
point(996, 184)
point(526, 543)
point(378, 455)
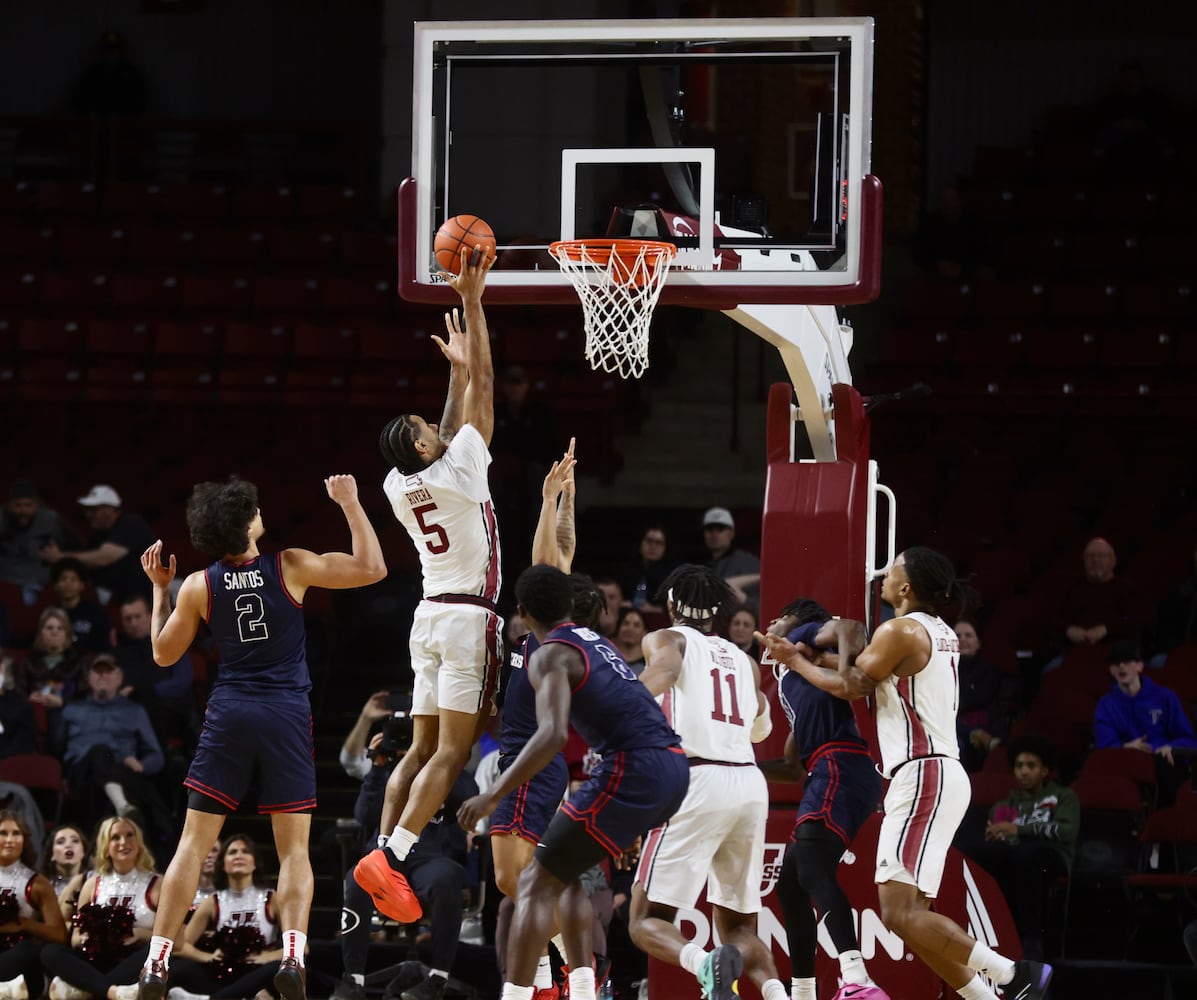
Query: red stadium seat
point(92, 246)
point(320, 202)
point(186, 340)
point(256, 340)
point(161, 246)
point(360, 295)
point(106, 338)
point(147, 293)
point(225, 295)
point(318, 343)
point(262, 201)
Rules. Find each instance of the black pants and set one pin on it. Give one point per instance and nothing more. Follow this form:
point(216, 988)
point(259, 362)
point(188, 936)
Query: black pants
point(200, 977)
point(808, 873)
point(90, 773)
point(1024, 871)
point(356, 917)
point(438, 884)
point(70, 966)
point(24, 959)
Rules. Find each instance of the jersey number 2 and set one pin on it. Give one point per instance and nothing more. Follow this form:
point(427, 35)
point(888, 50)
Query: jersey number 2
point(733, 716)
point(251, 618)
point(432, 530)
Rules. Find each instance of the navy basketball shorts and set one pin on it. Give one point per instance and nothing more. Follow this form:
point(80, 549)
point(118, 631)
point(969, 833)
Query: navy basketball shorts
point(842, 791)
point(272, 739)
point(628, 793)
point(526, 812)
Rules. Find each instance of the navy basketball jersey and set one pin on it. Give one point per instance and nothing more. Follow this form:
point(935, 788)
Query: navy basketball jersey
point(519, 701)
point(259, 629)
point(611, 709)
point(816, 717)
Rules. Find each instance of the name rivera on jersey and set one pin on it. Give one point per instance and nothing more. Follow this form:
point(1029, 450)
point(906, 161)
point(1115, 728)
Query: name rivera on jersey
point(244, 578)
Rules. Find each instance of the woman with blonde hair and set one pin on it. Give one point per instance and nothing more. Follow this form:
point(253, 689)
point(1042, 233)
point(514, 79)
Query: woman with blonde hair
point(29, 914)
point(114, 921)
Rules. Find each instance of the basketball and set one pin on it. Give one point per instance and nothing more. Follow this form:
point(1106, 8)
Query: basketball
point(467, 230)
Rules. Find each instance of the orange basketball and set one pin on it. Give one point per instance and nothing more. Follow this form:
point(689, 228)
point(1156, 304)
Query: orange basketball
point(459, 231)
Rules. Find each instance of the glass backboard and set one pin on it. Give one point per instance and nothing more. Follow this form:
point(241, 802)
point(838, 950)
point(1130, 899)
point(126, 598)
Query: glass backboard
point(744, 142)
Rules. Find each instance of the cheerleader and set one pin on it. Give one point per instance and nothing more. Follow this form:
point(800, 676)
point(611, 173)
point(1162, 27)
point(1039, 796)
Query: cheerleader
point(244, 926)
point(29, 914)
point(114, 921)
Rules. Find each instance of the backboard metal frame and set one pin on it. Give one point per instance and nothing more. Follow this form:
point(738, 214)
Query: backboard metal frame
point(692, 284)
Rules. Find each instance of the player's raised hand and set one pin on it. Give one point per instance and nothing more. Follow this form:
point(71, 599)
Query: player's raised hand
point(342, 489)
point(160, 573)
point(474, 266)
point(454, 349)
point(561, 475)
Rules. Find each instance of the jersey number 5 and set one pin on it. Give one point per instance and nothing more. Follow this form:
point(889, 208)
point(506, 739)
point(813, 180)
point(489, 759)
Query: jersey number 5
point(251, 618)
point(733, 715)
point(432, 530)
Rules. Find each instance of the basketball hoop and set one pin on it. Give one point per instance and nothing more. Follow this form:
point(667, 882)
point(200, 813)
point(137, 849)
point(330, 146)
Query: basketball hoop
point(619, 282)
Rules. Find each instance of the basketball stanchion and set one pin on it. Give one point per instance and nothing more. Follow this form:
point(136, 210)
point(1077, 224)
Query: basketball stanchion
point(619, 282)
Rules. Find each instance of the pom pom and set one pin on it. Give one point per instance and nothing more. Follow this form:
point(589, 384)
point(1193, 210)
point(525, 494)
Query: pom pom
point(10, 913)
point(106, 929)
point(236, 944)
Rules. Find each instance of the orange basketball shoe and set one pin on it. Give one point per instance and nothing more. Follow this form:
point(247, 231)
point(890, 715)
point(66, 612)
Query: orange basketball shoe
point(392, 895)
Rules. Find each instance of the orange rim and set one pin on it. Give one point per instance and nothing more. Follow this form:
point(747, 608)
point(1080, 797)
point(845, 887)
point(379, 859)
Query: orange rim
point(600, 251)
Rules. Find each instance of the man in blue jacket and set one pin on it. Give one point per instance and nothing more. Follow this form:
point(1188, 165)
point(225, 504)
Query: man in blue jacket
point(1143, 715)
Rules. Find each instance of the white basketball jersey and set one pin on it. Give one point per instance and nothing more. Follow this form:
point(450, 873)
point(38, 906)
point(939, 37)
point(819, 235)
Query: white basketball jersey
point(246, 908)
point(131, 890)
point(447, 510)
point(916, 715)
point(713, 703)
point(16, 880)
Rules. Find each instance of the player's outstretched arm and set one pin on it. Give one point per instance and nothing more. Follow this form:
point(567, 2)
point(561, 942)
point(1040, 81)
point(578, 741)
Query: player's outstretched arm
point(663, 651)
point(845, 680)
point(479, 403)
point(455, 352)
point(554, 541)
point(339, 570)
point(172, 632)
point(549, 673)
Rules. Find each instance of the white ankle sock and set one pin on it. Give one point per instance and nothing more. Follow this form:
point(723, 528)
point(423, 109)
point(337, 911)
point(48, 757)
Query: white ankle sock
point(852, 967)
point(513, 992)
point(544, 973)
point(803, 989)
point(401, 841)
point(976, 989)
point(294, 944)
point(989, 962)
point(692, 958)
point(773, 989)
point(116, 795)
point(160, 949)
point(581, 984)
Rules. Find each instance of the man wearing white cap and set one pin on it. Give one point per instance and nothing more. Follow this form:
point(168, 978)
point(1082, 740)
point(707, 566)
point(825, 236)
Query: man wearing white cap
point(740, 570)
point(114, 546)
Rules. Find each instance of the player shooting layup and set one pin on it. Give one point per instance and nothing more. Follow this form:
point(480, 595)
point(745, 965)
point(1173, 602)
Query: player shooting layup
point(439, 491)
point(910, 666)
point(259, 717)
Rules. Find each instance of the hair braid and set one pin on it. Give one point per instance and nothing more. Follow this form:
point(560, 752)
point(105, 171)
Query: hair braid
point(698, 593)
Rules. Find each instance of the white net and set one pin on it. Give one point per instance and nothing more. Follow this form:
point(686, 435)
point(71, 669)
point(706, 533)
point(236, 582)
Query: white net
point(619, 282)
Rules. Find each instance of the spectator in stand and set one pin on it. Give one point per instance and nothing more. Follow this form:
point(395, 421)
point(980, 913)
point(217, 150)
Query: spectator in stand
point(111, 751)
point(116, 915)
point(1143, 715)
point(741, 627)
point(630, 630)
point(740, 570)
point(1030, 837)
point(29, 914)
point(643, 578)
point(25, 529)
point(166, 692)
point(114, 547)
point(1176, 623)
point(64, 858)
point(1101, 607)
point(90, 625)
point(979, 723)
point(53, 673)
point(18, 730)
point(613, 600)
